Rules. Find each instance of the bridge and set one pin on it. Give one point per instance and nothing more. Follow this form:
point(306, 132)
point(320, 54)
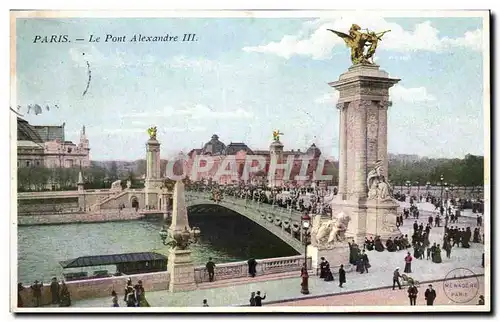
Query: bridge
point(284, 223)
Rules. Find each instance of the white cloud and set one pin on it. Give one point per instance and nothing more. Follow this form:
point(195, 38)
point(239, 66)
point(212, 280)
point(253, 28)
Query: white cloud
point(198, 64)
point(328, 98)
point(397, 93)
point(410, 95)
point(316, 41)
point(197, 111)
point(123, 130)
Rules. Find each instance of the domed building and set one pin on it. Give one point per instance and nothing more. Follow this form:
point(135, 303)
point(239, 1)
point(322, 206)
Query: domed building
point(214, 146)
point(313, 151)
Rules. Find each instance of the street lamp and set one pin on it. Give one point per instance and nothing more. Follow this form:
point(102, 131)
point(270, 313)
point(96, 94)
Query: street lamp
point(442, 186)
point(418, 191)
point(305, 223)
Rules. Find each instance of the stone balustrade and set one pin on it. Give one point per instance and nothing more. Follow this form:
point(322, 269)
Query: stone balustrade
point(100, 287)
point(264, 267)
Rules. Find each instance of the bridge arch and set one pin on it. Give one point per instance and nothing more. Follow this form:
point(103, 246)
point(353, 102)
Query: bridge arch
point(277, 221)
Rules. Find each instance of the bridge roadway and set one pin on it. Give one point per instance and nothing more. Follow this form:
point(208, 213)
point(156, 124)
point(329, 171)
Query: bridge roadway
point(284, 223)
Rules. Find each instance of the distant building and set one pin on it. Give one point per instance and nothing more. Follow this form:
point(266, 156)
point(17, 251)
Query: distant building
point(45, 146)
point(219, 151)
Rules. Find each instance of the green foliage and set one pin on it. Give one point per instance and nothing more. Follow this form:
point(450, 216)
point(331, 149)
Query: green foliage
point(461, 172)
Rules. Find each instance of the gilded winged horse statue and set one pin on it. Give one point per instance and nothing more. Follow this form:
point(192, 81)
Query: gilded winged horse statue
point(357, 41)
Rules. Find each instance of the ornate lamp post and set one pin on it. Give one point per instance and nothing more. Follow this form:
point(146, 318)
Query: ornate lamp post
point(442, 186)
point(305, 223)
point(418, 191)
point(180, 240)
point(428, 186)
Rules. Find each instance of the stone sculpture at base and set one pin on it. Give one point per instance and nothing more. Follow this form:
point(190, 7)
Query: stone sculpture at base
point(328, 239)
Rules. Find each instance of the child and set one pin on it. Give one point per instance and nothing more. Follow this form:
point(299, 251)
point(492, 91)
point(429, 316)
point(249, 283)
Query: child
point(114, 299)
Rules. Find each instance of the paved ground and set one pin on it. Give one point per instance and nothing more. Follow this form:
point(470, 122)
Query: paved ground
point(389, 297)
point(380, 275)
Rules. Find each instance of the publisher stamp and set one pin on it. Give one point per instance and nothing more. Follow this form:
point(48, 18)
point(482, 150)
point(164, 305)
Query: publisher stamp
point(461, 285)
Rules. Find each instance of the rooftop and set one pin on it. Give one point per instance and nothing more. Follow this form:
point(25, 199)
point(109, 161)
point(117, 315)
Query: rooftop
point(102, 260)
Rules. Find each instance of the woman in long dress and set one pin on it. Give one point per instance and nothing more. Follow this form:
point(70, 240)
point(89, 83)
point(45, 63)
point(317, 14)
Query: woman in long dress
point(141, 295)
point(65, 297)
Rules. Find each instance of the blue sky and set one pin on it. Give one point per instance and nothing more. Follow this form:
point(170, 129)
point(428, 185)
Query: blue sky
point(244, 78)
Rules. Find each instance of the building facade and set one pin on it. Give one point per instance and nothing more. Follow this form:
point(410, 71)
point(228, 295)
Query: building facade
point(217, 152)
point(46, 146)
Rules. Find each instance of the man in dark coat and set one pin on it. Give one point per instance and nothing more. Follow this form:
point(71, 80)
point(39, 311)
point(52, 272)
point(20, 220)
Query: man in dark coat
point(37, 292)
point(258, 299)
point(395, 278)
point(252, 267)
point(54, 291)
point(415, 226)
point(210, 269)
point(430, 295)
point(412, 294)
point(341, 275)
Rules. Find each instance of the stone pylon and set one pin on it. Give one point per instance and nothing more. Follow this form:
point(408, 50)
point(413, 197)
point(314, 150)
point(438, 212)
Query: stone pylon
point(81, 192)
point(276, 170)
point(180, 265)
point(179, 212)
point(153, 181)
point(363, 103)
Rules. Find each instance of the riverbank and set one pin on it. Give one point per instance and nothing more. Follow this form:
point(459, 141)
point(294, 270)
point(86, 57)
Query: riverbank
point(81, 217)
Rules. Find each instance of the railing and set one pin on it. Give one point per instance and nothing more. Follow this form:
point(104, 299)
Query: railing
point(264, 267)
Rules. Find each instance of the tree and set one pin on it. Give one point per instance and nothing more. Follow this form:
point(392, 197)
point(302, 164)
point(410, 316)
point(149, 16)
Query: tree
point(113, 171)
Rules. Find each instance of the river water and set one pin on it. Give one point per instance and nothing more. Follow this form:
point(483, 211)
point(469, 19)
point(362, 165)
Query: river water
point(225, 236)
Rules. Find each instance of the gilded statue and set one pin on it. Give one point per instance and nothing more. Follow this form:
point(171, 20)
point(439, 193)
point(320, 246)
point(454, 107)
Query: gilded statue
point(357, 41)
point(152, 132)
point(276, 135)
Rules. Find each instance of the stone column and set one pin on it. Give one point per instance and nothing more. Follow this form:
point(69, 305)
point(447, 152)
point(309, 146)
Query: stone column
point(360, 145)
point(342, 151)
point(382, 135)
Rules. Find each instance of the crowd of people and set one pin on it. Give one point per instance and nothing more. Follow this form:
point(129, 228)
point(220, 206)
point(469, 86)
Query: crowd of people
point(59, 294)
point(135, 296)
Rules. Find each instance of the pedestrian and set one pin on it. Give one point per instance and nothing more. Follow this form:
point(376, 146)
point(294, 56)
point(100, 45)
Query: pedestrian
point(252, 299)
point(481, 300)
point(114, 299)
point(20, 288)
point(430, 295)
point(252, 267)
point(54, 291)
point(258, 299)
point(412, 294)
point(322, 267)
point(341, 275)
point(366, 262)
point(210, 269)
point(395, 279)
point(408, 260)
point(37, 292)
point(205, 303)
point(65, 296)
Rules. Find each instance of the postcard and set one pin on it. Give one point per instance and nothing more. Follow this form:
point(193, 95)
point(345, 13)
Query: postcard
point(213, 161)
